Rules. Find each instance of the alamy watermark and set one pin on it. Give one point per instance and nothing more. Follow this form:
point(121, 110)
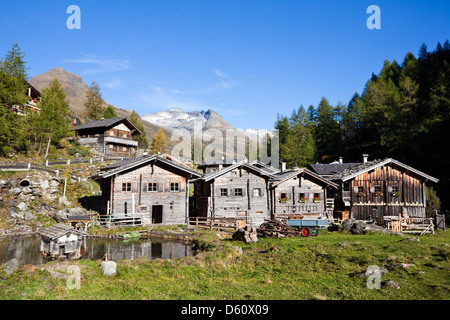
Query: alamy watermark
point(74, 20)
point(374, 277)
point(218, 146)
point(374, 21)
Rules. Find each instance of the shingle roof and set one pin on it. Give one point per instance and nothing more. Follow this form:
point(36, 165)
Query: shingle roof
point(354, 171)
point(144, 161)
point(105, 123)
point(333, 168)
point(280, 177)
point(242, 164)
point(58, 230)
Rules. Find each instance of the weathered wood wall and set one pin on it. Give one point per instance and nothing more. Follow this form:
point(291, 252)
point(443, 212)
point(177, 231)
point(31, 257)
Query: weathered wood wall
point(292, 188)
point(247, 203)
point(174, 203)
point(386, 179)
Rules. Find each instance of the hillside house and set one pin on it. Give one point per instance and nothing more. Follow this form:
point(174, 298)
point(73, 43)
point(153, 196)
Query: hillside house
point(34, 96)
point(379, 188)
point(150, 189)
point(300, 192)
point(239, 190)
point(112, 137)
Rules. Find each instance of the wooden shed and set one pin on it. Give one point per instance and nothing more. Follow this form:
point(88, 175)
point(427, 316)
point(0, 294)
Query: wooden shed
point(61, 240)
point(149, 190)
point(379, 188)
point(300, 192)
point(237, 191)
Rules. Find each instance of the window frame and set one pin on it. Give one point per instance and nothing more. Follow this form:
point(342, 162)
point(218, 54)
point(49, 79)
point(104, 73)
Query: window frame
point(126, 185)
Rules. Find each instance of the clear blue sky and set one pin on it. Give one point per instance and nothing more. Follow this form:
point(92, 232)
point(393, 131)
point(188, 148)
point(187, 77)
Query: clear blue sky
point(247, 60)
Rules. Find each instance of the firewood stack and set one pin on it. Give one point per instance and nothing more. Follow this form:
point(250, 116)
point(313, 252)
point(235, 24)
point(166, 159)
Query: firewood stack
point(275, 228)
point(247, 234)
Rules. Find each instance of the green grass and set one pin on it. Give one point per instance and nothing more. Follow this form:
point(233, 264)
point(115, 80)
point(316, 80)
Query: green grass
point(324, 267)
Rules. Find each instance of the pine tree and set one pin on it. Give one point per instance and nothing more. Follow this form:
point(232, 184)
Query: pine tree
point(94, 102)
point(109, 113)
point(53, 120)
point(159, 142)
point(13, 88)
point(142, 138)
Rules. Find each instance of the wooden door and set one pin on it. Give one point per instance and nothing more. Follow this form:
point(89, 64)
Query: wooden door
point(157, 214)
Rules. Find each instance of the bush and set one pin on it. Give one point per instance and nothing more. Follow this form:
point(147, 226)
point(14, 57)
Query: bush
point(81, 150)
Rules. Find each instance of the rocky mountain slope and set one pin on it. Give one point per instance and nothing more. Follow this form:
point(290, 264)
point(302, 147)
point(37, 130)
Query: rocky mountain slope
point(177, 119)
point(75, 89)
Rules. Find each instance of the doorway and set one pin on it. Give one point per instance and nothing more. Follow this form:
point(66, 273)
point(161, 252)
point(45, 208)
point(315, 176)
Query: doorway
point(157, 214)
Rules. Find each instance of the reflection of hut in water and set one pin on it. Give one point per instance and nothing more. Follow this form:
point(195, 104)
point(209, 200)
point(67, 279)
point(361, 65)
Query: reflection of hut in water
point(61, 240)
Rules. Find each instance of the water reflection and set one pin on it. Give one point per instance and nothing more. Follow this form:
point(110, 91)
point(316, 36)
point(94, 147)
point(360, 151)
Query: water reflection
point(27, 250)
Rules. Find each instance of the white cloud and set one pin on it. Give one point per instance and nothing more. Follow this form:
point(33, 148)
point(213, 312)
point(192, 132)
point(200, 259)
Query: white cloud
point(219, 73)
point(114, 83)
point(101, 63)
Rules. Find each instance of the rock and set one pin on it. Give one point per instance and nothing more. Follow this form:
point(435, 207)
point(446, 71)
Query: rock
point(109, 268)
point(238, 250)
point(11, 266)
point(45, 184)
point(12, 212)
point(27, 190)
point(15, 191)
point(402, 265)
point(22, 206)
point(373, 272)
point(29, 216)
point(52, 191)
point(393, 284)
point(362, 226)
point(54, 183)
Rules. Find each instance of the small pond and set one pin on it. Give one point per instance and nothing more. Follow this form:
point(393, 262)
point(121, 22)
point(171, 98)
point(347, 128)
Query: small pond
point(26, 250)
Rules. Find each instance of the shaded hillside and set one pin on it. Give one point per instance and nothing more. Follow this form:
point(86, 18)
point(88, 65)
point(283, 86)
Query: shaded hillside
point(75, 89)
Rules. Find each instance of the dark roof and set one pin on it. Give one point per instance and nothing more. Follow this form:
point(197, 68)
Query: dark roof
point(106, 123)
point(354, 171)
point(329, 169)
point(283, 176)
point(242, 164)
point(129, 161)
point(144, 161)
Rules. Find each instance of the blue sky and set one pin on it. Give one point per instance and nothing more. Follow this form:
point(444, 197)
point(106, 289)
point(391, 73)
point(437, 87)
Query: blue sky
point(247, 60)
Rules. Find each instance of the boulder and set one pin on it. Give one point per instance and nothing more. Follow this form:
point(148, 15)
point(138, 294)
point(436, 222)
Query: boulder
point(22, 206)
point(11, 266)
point(45, 184)
point(109, 268)
point(54, 183)
point(362, 226)
point(15, 191)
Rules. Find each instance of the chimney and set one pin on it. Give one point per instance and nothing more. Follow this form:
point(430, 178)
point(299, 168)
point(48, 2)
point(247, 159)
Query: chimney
point(283, 166)
point(341, 160)
point(365, 157)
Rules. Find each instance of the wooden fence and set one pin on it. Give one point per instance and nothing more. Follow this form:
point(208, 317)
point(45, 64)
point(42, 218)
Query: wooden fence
point(223, 224)
point(411, 225)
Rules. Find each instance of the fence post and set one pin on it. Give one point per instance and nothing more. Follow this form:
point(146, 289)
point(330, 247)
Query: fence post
point(90, 161)
point(68, 162)
point(46, 163)
point(29, 165)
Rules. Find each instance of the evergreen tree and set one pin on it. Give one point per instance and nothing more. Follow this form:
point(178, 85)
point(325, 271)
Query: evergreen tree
point(13, 88)
point(327, 131)
point(94, 102)
point(299, 148)
point(53, 120)
point(109, 113)
point(142, 138)
point(159, 142)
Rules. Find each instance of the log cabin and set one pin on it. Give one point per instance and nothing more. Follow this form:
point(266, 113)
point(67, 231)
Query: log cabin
point(380, 188)
point(113, 137)
point(301, 192)
point(152, 190)
point(237, 191)
point(34, 96)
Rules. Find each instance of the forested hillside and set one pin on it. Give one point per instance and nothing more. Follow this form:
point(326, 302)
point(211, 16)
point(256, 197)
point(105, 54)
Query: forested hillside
point(402, 113)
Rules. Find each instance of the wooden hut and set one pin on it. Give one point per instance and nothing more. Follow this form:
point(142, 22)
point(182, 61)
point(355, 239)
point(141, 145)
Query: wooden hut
point(148, 190)
point(379, 188)
point(237, 191)
point(299, 192)
point(112, 137)
point(61, 240)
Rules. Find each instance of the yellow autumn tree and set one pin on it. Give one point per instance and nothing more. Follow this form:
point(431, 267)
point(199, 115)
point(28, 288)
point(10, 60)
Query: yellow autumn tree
point(159, 142)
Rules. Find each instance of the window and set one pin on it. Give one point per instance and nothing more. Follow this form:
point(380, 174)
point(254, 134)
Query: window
point(152, 187)
point(111, 133)
point(124, 148)
point(394, 189)
point(317, 197)
point(110, 146)
point(257, 192)
point(377, 189)
point(174, 186)
point(238, 192)
point(302, 197)
point(126, 187)
point(223, 192)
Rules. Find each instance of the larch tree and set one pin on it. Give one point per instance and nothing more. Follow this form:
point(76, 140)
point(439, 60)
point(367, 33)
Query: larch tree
point(94, 102)
point(159, 142)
